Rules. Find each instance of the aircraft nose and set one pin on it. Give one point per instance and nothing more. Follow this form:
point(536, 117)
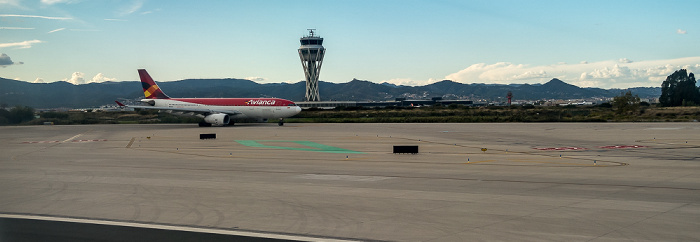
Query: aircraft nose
point(297, 109)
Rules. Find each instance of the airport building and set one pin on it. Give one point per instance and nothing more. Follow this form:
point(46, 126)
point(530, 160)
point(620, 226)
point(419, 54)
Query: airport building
point(311, 54)
point(399, 102)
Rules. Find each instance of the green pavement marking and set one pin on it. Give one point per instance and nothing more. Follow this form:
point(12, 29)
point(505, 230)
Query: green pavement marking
point(316, 147)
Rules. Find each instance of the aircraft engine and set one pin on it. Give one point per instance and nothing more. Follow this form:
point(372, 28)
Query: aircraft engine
point(217, 118)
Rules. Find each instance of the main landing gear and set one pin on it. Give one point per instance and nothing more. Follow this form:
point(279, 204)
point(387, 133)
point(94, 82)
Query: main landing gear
point(281, 123)
point(204, 124)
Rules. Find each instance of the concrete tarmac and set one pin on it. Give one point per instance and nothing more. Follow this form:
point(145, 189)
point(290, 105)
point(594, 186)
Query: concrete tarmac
point(533, 182)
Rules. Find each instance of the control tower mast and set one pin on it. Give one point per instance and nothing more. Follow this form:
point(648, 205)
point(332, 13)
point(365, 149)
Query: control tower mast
point(311, 54)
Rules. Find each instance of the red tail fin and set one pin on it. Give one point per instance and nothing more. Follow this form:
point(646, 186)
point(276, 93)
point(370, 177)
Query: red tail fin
point(150, 88)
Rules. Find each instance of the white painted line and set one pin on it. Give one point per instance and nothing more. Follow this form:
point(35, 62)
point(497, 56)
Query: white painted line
point(71, 138)
point(171, 227)
point(663, 128)
point(343, 177)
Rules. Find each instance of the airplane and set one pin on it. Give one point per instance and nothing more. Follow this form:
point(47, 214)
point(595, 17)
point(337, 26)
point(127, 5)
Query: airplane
point(214, 111)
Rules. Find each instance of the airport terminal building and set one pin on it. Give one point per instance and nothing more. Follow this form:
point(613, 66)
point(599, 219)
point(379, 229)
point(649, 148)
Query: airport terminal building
point(399, 102)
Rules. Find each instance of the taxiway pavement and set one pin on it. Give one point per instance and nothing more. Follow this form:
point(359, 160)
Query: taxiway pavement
point(535, 181)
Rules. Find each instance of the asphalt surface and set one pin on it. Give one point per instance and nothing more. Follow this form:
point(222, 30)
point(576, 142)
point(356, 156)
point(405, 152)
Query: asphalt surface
point(533, 182)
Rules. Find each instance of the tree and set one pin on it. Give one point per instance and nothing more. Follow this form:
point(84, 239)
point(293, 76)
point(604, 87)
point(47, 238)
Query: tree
point(625, 103)
point(679, 89)
point(4, 116)
point(20, 114)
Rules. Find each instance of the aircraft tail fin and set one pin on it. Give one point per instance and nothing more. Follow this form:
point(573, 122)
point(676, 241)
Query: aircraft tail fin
point(150, 88)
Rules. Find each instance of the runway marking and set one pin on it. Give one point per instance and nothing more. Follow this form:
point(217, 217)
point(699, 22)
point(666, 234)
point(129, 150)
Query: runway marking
point(343, 177)
point(551, 162)
point(561, 148)
point(481, 161)
point(676, 128)
point(87, 140)
point(38, 142)
point(316, 147)
point(356, 159)
point(71, 138)
point(56, 141)
point(622, 146)
point(539, 161)
point(252, 234)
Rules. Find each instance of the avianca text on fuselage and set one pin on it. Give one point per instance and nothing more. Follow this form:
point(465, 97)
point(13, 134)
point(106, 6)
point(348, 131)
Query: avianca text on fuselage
point(218, 111)
point(260, 102)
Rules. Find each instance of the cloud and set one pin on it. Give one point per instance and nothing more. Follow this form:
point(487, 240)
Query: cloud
point(624, 60)
point(76, 79)
point(256, 79)
point(620, 73)
point(39, 80)
point(14, 3)
point(410, 82)
point(6, 61)
point(56, 30)
point(503, 73)
point(531, 75)
point(680, 31)
point(52, 2)
point(34, 16)
point(130, 9)
point(14, 28)
point(85, 30)
point(102, 78)
point(22, 45)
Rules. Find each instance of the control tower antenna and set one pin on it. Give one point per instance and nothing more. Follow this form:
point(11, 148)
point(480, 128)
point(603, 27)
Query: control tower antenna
point(311, 54)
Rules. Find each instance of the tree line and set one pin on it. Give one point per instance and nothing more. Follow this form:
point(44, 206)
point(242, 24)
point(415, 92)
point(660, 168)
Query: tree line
point(16, 115)
point(679, 89)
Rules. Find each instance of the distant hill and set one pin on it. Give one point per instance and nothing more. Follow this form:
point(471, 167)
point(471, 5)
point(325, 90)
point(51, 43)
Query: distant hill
point(63, 94)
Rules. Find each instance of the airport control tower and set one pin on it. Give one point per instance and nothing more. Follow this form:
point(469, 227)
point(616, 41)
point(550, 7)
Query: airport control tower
point(311, 53)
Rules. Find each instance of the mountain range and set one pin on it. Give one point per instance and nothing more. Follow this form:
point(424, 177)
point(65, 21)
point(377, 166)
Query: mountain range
point(66, 95)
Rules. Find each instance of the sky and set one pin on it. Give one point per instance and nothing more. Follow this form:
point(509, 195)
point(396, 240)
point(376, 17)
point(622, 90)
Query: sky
point(606, 44)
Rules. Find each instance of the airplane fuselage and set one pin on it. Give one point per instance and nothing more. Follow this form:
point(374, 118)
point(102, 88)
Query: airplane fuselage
point(246, 108)
point(214, 111)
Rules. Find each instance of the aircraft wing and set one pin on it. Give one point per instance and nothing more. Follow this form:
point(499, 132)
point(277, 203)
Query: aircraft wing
point(204, 111)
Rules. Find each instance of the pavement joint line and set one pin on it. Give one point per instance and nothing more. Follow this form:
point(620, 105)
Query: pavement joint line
point(182, 152)
point(171, 227)
point(481, 161)
point(422, 177)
